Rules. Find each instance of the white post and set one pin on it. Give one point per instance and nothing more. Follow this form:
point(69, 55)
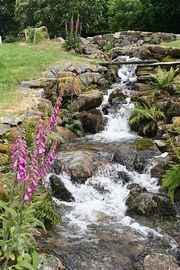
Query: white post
point(0, 40)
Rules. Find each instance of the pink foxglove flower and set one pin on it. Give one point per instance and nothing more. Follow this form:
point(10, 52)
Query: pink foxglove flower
point(28, 174)
point(26, 198)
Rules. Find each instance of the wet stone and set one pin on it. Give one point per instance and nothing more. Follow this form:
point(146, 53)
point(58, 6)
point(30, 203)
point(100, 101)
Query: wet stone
point(50, 262)
point(160, 262)
point(124, 176)
point(59, 190)
point(150, 205)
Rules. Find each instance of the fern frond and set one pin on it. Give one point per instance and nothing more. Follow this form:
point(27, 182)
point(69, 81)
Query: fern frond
point(171, 180)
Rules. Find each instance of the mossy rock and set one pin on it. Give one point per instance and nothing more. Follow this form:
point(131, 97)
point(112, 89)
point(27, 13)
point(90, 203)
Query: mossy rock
point(4, 148)
point(66, 134)
point(142, 144)
point(150, 205)
point(4, 158)
point(65, 85)
point(11, 135)
point(61, 136)
point(176, 123)
point(168, 58)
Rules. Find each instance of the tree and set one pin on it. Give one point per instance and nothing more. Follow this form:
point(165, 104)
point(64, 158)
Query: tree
point(54, 13)
point(124, 14)
point(148, 15)
point(7, 22)
point(161, 15)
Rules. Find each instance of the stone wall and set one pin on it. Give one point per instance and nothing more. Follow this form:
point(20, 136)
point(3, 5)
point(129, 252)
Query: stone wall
point(126, 38)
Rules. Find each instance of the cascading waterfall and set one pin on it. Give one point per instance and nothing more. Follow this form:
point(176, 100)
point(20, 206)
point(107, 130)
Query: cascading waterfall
point(102, 197)
point(117, 127)
point(103, 194)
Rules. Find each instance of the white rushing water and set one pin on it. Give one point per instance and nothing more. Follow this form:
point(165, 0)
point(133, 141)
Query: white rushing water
point(117, 127)
point(103, 196)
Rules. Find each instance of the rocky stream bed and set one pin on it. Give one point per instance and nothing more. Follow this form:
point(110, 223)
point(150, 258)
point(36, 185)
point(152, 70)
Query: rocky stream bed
point(115, 214)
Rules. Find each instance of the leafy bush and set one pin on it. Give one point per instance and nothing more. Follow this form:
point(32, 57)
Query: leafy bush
point(73, 35)
point(18, 222)
point(70, 121)
point(164, 79)
point(146, 118)
point(10, 39)
point(36, 35)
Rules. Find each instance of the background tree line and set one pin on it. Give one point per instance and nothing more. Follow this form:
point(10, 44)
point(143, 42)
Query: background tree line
point(97, 16)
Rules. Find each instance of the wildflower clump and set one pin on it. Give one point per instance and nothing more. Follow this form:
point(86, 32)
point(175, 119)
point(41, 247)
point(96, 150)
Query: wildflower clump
point(73, 35)
point(18, 222)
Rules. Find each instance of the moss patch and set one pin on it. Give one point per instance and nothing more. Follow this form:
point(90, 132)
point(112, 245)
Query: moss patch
point(143, 144)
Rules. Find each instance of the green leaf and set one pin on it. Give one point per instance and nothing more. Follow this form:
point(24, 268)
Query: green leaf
point(12, 257)
point(8, 209)
point(26, 265)
point(35, 259)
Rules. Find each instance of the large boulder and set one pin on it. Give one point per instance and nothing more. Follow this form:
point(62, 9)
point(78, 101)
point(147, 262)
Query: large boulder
point(158, 261)
point(89, 78)
point(175, 52)
point(92, 121)
point(59, 190)
point(150, 205)
point(66, 134)
point(89, 100)
point(78, 164)
point(133, 159)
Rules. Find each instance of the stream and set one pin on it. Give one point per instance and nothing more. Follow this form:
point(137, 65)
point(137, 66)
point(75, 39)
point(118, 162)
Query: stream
point(97, 232)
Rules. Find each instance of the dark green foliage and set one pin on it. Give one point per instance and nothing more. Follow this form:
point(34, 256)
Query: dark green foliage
point(124, 14)
point(71, 122)
point(53, 14)
point(148, 15)
point(8, 26)
point(10, 39)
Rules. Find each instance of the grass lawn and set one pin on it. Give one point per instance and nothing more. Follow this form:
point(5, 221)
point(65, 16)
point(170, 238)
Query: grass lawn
point(23, 61)
point(175, 44)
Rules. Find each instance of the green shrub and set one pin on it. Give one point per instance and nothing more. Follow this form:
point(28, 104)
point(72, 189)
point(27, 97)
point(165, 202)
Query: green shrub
point(36, 35)
point(71, 122)
point(145, 117)
point(10, 39)
point(164, 79)
point(73, 36)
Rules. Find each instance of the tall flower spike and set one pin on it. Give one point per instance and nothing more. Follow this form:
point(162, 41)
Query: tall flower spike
point(53, 119)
